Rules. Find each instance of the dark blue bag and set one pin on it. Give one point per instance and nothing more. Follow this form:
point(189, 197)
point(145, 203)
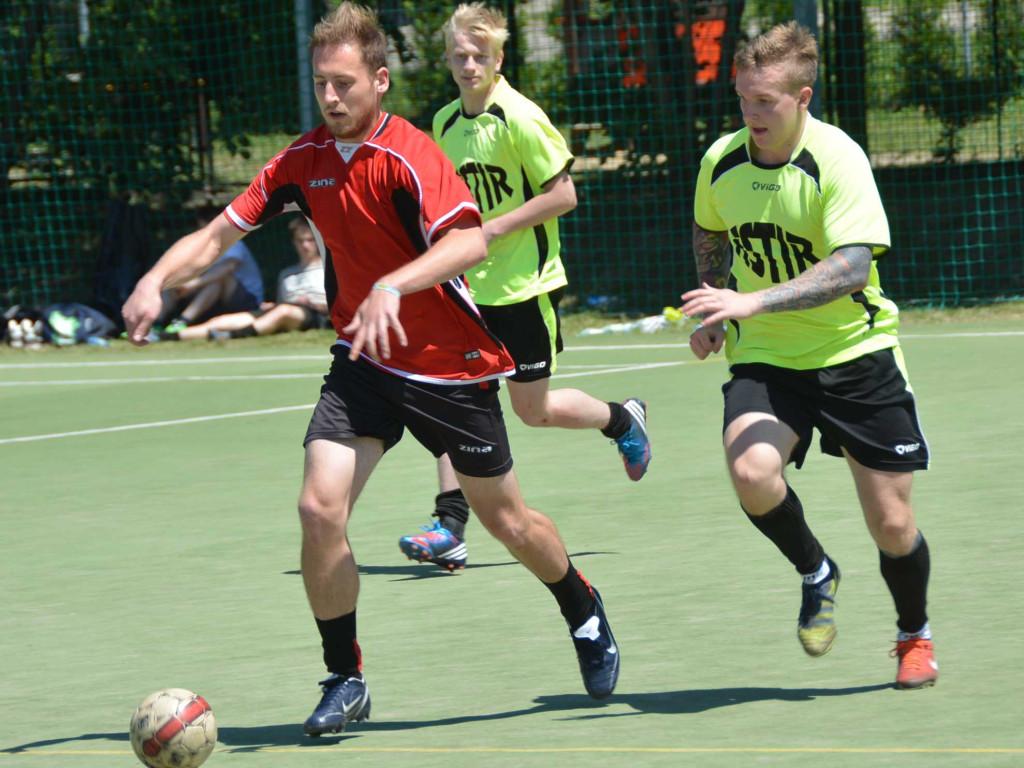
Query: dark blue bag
point(68, 322)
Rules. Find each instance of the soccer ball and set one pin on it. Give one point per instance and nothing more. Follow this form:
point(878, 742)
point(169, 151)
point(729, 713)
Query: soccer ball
point(173, 728)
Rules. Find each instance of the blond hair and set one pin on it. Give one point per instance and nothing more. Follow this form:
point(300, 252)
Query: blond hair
point(478, 20)
point(355, 25)
point(790, 44)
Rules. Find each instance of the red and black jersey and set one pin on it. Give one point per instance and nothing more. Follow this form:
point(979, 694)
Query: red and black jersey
point(376, 206)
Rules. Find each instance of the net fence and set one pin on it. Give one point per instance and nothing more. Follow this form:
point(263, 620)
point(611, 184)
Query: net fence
point(118, 119)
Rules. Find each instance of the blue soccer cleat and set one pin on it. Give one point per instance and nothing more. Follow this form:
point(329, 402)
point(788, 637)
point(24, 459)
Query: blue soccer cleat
point(438, 545)
point(345, 700)
point(634, 447)
point(597, 653)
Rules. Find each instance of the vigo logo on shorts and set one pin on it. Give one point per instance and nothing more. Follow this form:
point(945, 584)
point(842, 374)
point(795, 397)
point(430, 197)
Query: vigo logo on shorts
point(905, 449)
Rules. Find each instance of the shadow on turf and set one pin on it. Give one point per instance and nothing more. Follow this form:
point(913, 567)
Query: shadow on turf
point(252, 739)
point(417, 571)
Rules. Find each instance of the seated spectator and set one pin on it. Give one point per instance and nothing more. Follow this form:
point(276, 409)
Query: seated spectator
point(233, 283)
point(301, 299)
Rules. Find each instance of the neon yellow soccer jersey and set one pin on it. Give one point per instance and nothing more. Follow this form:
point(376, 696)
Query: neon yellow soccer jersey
point(506, 154)
point(781, 220)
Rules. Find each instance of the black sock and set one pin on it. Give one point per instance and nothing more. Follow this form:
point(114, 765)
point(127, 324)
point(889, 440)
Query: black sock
point(341, 651)
point(241, 333)
point(452, 510)
point(619, 423)
point(165, 336)
point(907, 579)
point(786, 527)
point(574, 596)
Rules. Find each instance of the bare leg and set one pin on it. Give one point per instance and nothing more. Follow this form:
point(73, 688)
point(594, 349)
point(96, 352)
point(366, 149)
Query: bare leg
point(539, 406)
point(280, 319)
point(757, 447)
point(202, 301)
point(885, 499)
point(335, 475)
point(446, 479)
point(231, 322)
point(530, 536)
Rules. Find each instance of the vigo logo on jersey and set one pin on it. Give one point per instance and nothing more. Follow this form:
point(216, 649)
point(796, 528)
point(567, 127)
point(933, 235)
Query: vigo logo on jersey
point(488, 183)
point(768, 249)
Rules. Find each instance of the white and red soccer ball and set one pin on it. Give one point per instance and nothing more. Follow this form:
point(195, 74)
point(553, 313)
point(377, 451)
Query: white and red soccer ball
point(173, 728)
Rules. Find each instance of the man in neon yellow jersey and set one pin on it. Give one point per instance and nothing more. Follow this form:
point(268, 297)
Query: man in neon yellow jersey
point(809, 335)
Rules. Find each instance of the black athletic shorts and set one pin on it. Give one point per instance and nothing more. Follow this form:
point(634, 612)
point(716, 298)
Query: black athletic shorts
point(464, 420)
point(530, 331)
point(865, 406)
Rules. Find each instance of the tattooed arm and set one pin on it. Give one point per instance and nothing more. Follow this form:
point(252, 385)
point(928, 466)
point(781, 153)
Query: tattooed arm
point(712, 256)
point(842, 273)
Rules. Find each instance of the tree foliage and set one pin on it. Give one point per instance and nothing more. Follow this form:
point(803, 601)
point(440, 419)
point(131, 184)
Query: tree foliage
point(117, 98)
point(935, 74)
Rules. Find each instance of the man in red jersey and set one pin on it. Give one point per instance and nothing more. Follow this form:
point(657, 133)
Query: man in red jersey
point(398, 228)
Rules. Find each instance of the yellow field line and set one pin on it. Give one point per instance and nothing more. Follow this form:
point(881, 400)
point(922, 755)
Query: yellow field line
point(571, 750)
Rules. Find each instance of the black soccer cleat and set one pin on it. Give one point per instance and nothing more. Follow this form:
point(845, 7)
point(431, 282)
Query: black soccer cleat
point(597, 653)
point(345, 700)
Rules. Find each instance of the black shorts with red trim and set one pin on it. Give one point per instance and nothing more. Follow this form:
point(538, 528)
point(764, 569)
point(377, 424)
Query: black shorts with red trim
point(864, 405)
point(465, 421)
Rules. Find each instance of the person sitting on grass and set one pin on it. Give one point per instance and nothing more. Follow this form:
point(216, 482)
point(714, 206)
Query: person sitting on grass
point(232, 284)
point(301, 299)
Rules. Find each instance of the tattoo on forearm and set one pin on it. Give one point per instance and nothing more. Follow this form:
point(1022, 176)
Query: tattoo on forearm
point(712, 257)
point(842, 273)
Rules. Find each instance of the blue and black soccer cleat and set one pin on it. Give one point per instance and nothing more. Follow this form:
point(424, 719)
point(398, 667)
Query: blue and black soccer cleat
point(345, 700)
point(438, 545)
point(597, 653)
point(634, 447)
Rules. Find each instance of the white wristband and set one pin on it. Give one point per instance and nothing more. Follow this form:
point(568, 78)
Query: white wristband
point(387, 289)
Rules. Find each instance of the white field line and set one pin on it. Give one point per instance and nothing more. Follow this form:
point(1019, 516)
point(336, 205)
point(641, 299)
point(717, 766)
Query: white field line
point(161, 380)
point(240, 414)
point(148, 425)
point(326, 357)
point(599, 369)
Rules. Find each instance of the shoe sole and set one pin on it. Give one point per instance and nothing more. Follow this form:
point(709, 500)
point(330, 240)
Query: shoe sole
point(421, 554)
point(314, 733)
point(919, 686)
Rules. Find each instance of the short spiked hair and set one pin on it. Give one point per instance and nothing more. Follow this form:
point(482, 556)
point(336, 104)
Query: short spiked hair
point(355, 25)
point(479, 20)
point(790, 44)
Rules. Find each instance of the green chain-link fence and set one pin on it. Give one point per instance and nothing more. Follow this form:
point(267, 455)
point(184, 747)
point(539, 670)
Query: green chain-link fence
point(117, 117)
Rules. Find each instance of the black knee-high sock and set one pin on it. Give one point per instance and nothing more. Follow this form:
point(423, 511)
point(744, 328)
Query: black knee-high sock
point(786, 527)
point(619, 423)
point(907, 579)
point(452, 510)
point(341, 651)
point(574, 596)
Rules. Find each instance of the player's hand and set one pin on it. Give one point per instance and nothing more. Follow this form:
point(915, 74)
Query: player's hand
point(706, 340)
point(140, 311)
point(376, 317)
point(716, 305)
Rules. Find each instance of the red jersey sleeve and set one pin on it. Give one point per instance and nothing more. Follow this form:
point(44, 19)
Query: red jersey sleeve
point(445, 196)
point(275, 188)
